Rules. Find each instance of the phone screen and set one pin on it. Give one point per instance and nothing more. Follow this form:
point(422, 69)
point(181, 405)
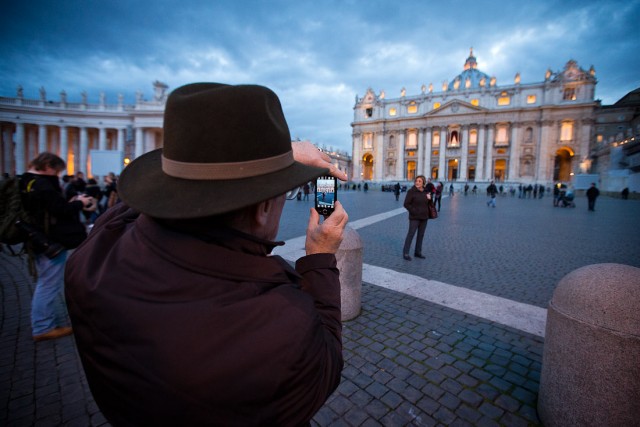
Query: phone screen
point(326, 194)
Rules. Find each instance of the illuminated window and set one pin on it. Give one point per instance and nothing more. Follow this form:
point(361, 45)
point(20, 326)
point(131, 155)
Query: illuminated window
point(436, 105)
point(569, 94)
point(504, 100)
point(412, 108)
point(475, 102)
point(434, 172)
point(566, 131)
point(473, 137)
point(454, 139)
point(531, 99)
point(412, 140)
point(472, 152)
point(436, 152)
point(501, 136)
point(411, 170)
point(436, 140)
point(599, 138)
point(367, 141)
point(501, 151)
point(392, 111)
point(411, 153)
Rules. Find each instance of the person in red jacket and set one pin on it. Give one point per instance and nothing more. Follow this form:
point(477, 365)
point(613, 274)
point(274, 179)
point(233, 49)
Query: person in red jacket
point(180, 313)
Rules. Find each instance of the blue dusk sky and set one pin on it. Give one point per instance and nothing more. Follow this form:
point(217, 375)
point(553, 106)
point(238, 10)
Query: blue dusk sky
point(316, 55)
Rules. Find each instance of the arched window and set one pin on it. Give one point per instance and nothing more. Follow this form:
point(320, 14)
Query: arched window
point(411, 170)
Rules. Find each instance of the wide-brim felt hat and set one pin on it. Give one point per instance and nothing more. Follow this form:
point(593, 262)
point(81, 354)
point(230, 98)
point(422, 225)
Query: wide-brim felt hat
point(225, 148)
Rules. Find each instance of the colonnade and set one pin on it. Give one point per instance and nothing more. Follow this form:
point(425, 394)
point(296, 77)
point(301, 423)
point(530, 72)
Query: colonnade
point(22, 141)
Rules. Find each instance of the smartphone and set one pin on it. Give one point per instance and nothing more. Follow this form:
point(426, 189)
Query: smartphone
point(326, 194)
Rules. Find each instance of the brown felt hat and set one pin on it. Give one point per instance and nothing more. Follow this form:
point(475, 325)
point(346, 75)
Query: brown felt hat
point(225, 147)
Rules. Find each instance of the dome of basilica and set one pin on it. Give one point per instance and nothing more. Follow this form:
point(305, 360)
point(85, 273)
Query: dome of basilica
point(471, 77)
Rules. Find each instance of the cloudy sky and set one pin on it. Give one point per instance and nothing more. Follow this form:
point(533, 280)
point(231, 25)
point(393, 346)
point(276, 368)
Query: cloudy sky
point(316, 55)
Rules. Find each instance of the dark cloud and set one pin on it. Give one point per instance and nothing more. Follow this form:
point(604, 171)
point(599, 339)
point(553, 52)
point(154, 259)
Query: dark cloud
point(317, 56)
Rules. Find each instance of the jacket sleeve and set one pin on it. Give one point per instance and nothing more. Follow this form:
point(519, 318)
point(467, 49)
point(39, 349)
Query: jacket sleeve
point(320, 362)
point(53, 201)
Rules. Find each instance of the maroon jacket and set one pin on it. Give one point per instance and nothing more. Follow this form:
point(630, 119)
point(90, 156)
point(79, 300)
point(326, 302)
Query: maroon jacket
point(178, 330)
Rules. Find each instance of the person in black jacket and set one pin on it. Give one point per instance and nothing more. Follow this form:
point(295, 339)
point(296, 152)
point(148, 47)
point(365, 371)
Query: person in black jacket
point(592, 195)
point(57, 227)
point(416, 202)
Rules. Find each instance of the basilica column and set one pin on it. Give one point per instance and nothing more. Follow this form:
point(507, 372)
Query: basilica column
point(356, 160)
point(378, 163)
point(443, 149)
point(489, 175)
point(42, 138)
point(427, 153)
point(400, 153)
point(420, 162)
point(545, 154)
point(20, 149)
point(465, 153)
point(120, 140)
point(514, 152)
point(139, 150)
point(64, 144)
point(84, 151)
point(102, 138)
point(480, 155)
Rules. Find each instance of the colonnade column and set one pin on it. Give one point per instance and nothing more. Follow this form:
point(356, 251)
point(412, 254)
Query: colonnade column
point(378, 164)
point(443, 149)
point(7, 142)
point(102, 138)
point(19, 150)
point(420, 162)
point(120, 140)
point(64, 144)
point(489, 166)
point(84, 150)
point(42, 138)
point(514, 150)
point(427, 153)
point(464, 154)
point(139, 150)
point(480, 155)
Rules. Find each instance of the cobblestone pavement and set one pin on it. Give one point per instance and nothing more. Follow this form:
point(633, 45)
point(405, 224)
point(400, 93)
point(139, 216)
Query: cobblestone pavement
point(408, 361)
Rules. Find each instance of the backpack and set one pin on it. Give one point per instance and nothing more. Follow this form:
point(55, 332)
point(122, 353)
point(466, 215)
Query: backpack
point(12, 211)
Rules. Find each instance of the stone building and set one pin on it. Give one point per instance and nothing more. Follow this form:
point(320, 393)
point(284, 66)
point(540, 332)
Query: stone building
point(470, 129)
point(616, 151)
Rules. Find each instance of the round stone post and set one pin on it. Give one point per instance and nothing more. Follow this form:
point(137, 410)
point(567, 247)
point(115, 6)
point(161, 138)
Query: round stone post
point(349, 258)
point(591, 359)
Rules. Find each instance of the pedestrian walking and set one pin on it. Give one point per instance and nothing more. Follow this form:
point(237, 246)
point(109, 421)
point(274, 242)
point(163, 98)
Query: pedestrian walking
point(492, 191)
point(592, 195)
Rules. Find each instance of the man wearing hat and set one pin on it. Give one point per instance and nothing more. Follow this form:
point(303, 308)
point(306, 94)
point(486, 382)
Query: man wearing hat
point(180, 313)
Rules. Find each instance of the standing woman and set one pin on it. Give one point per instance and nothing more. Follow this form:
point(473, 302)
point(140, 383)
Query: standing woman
point(416, 202)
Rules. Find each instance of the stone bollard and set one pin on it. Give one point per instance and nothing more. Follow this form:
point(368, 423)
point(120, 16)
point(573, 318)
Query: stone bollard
point(591, 360)
point(349, 258)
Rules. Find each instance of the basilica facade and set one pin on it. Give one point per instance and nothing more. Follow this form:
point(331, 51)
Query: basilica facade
point(471, 129)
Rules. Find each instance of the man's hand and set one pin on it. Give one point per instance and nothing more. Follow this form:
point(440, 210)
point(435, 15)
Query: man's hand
point(307, 153)
point(325, 238)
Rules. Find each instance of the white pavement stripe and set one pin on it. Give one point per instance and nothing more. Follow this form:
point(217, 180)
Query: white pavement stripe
point(524, 317)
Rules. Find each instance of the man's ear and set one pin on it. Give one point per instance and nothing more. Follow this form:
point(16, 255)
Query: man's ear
point(262, 211)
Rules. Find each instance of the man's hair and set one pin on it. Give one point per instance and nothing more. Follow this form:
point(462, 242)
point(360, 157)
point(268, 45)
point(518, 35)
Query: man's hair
point(44, 160)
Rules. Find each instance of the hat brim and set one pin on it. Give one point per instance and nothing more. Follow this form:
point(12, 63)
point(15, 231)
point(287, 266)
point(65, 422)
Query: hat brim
point(145, 187)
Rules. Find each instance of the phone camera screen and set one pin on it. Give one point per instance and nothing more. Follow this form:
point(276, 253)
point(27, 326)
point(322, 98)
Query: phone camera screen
point(325, 194)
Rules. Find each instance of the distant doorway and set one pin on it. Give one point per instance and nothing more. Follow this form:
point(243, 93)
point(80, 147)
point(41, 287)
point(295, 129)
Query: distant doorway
point(367, 167)
point(562, 165)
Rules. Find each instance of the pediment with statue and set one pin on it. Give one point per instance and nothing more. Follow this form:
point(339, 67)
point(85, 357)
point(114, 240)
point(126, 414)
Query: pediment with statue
point(455, 106)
